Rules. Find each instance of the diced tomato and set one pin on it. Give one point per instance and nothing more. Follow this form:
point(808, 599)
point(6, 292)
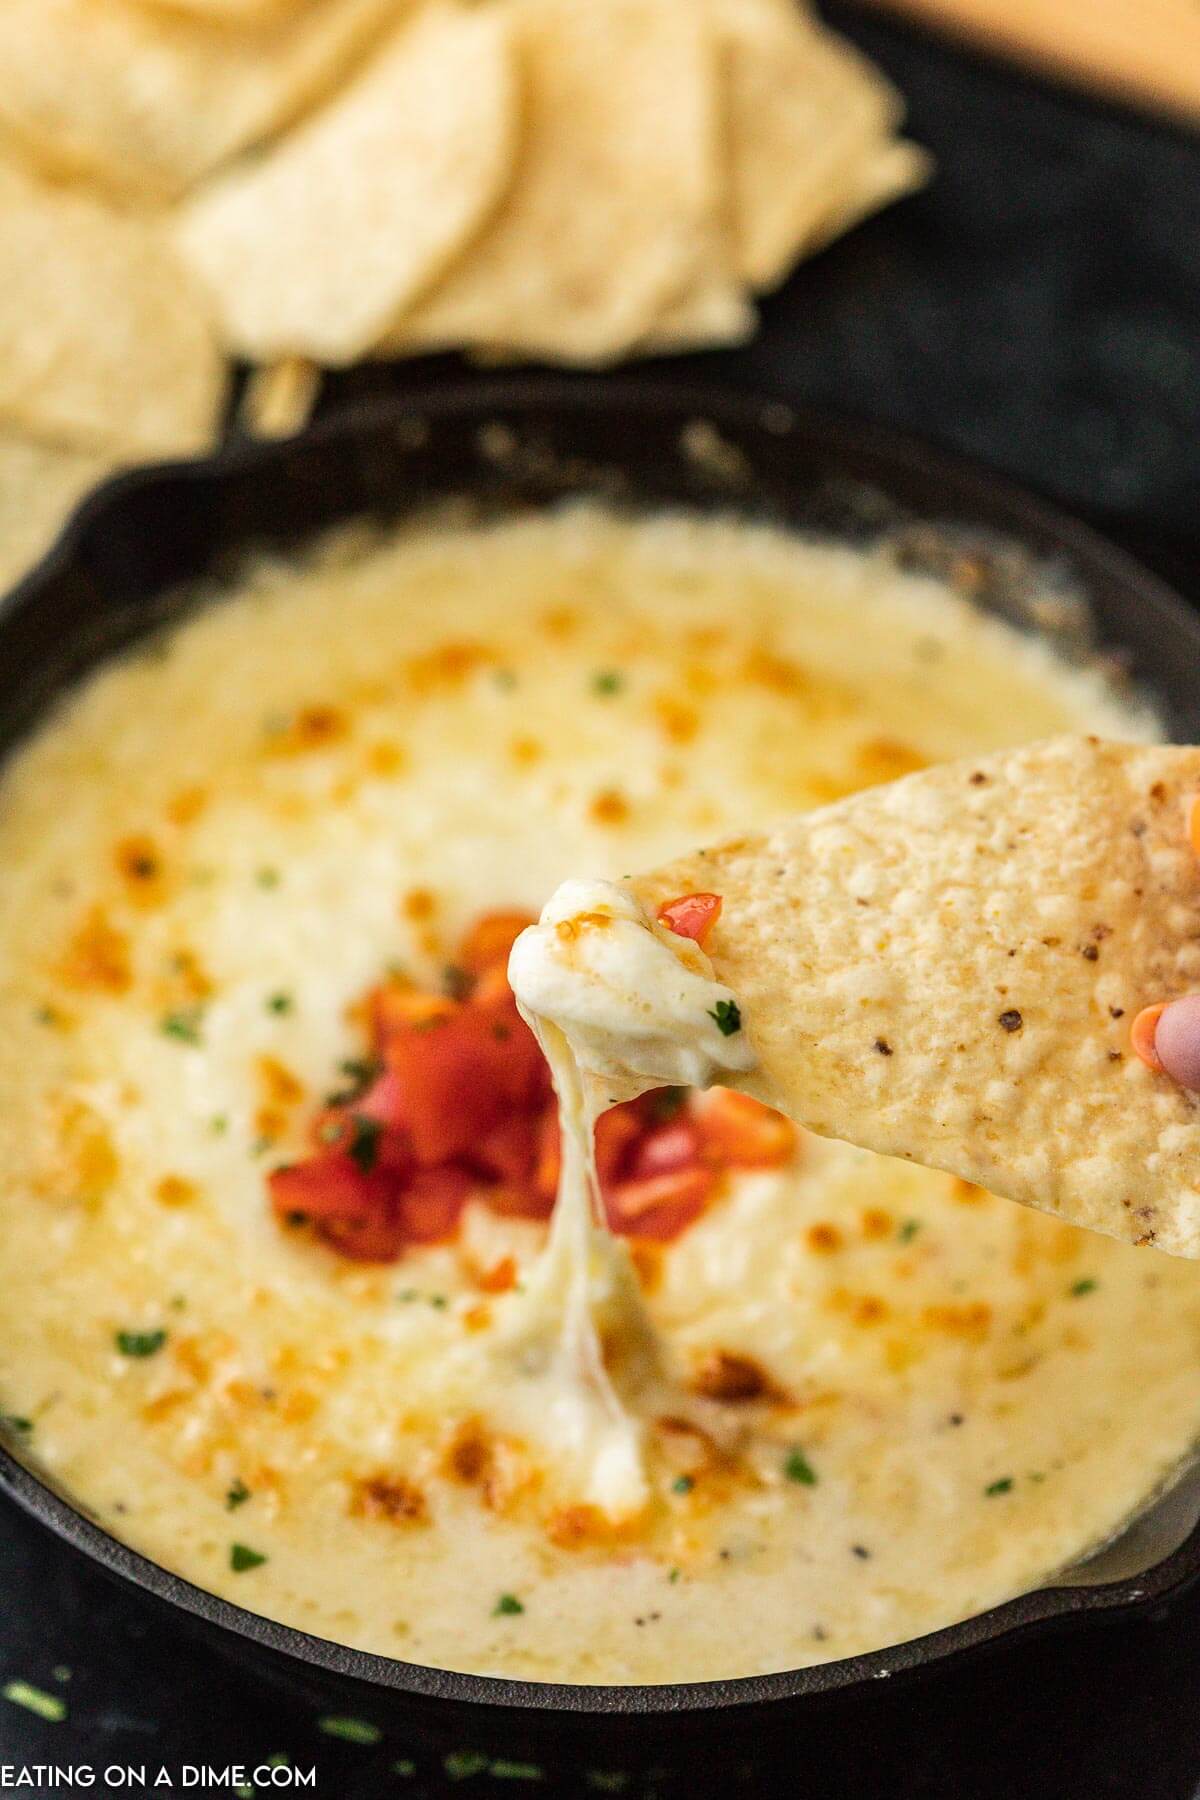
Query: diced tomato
point(337, 1128)
point(691, 916)
point(736, 1130)
point(509, 1152)
point(487, 944)
point(432, 1203)
point(453, 1083)
point(398, 1007)
point(616, 1133)
point(665, 1148)
point(659, 1207)
point(354, 1209)
point(380, 1239)
point(519, 1068)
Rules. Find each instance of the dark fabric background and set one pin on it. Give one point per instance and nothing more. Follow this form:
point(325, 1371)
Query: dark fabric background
point(1038, 308)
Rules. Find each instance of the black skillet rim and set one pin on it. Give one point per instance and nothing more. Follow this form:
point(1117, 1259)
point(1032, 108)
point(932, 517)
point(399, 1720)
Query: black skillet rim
point(967, 489)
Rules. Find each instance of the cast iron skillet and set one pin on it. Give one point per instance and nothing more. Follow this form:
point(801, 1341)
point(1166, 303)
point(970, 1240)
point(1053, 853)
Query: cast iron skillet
point(528, 441)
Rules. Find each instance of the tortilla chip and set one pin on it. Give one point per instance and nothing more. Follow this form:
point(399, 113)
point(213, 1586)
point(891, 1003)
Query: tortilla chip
point(613, 211)
point(143, 102)
point(805, 112)
point(39, 487)
point(946, 969)
point(108, 340)
point(403, 167)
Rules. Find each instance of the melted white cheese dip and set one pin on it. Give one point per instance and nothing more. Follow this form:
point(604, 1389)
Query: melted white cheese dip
point(210, 852)
point(638, 1005)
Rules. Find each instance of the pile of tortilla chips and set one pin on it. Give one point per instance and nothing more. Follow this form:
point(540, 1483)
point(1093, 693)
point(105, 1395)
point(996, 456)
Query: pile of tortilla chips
point(307, 183)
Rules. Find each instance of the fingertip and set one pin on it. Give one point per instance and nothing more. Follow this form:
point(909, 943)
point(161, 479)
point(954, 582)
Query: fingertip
point(1177, 1040)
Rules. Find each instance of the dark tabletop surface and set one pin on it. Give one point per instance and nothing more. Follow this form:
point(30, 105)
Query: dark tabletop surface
point(1038, 308)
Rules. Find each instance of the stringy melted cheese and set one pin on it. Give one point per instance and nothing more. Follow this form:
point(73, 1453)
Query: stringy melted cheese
point(216, 845)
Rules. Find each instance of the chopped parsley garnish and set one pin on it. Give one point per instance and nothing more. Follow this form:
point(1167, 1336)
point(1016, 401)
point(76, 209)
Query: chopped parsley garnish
point(438, 1302)
point(350, 1730)
point(1086, 1285)
point(505, 679)
point(140, 1343)
point(461, 1764)
point(683, 1484)
point(606, 1781)
point(16, 1422)
point(727, 1016)
point(332, 1131)
point(1003, 1486)
point(185, 1026)
point(503, 1770)
point(51, 1707)
point(404, 1765)
point(218, 1124)
point(267, 878)
point(607, 681)
point(797, 1468)
point(507, 1607)
point(360, 1071)
point(364, 1143)
point(673, 1576)
point(280, 1003)
point(908, 1230)
point(456, 983)
point(237, 1496)
point(241, 1558)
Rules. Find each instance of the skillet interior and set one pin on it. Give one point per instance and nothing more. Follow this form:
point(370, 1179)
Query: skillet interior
point(114, 574)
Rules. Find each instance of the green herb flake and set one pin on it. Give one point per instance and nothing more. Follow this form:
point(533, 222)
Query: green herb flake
point(607, 681)
point(1003, 1486)
point(280, 1003)
point(606, 1781)
point(797, 1468)
point(682, 1484)
point(16, 1422)
point(245, 1790)
point(727, 1017)
point(1087, 1285)
point(349, 1729)
point(507, 1607)
point(456, 983)
point(364, 1143)
point(219, 1124)
point(279, 1760)
point(183, 1026)
point(241, 1558)
point(360, 1072)
point(404, 1765)
point(673, 1576)
point(505, 679)
point(908, 1230)
point(503, 1770)
point(140, 1343)
point(237, 1495)
point(62, 1672)
point(51, 1707)
point(438, 1302)
point(461, 1764)
point(267, 878)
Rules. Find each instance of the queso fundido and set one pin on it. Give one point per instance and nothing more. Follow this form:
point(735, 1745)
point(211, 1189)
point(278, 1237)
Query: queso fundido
point(280, 1153)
